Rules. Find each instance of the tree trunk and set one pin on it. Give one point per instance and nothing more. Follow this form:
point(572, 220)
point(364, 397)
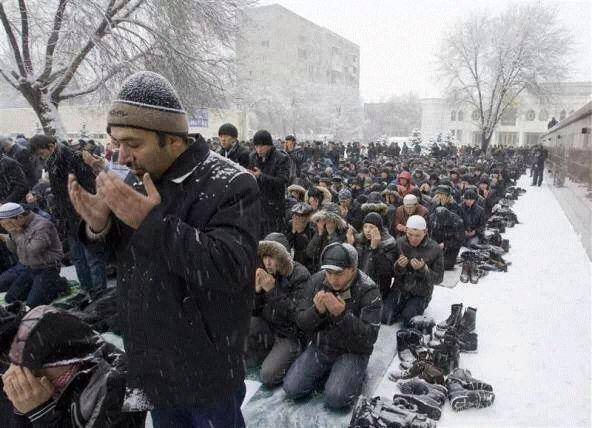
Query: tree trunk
point(46, 110)
point(485, 143)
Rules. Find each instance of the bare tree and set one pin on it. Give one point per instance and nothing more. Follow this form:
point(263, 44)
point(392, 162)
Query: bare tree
point(489, 61)
point(61, 49)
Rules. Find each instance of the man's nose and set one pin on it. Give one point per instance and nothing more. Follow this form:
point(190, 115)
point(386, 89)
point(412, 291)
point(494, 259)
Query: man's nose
point(124, 156)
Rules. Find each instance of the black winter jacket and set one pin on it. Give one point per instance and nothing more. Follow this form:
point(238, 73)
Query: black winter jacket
point(377, 263)
point(13, 184)
point(419, 283)
point(64, 161)
point(447, 227)
point(299, 243)
point(185, 281)
point(272, 182)
point(23, 156)
point(237, 153)
point(473, 218)
point(355, 330)
point(278, 306)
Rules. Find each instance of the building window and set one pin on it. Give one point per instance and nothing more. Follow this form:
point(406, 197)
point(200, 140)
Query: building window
point(265, 43)
point(459, 135)
point(302, 54)
point(562, 115)
point(477, 137)
point(302, 38)
point(475, 115)
point(452, 116)
point(543, 115)
point(460, 116)
point(530, 115)
point(334, 51)
point(507, 138)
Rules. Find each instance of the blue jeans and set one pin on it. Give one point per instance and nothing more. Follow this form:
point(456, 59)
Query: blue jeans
point(90, 268)
point(346, 374)
point(34, 286)
point(224, 414)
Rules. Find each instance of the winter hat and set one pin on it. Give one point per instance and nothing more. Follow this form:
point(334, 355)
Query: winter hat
point(375, 219)
point(298, 189)
point(302, 208)
point(416, 222)
point(10, 210)
point(228, 129)
point(345, 195)
point(338, 256)
point(276, 245)
point(262, 138)
point(443, 189)
point(148, 101)
point(410, 200)
point(51, 337)
point(470, 194)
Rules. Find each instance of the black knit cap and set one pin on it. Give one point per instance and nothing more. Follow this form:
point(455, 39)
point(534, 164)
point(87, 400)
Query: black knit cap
point(262, 138)
point(470, 194)
point(228, 129)
point(148, 101)
point(51, 337)
point(375, 219)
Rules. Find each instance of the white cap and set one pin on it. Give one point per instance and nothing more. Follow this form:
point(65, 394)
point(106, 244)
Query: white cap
point(10, 210)
point(410, 200)
point(416, 222)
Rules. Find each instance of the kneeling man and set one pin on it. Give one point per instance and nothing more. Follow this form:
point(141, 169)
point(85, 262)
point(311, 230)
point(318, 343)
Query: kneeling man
point(342, 316)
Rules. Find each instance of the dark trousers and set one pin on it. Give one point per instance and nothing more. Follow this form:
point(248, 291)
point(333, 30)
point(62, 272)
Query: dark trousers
point(346, 374)
point(90, 267)
point(273, 352)
point(398, 306)
point(224, 414)
point(537, 176)
point(7, 259)
point(33, 286)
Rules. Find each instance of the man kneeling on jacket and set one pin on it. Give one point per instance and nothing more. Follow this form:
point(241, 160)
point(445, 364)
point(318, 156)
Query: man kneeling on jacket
point(274, 336)
point(342, 316)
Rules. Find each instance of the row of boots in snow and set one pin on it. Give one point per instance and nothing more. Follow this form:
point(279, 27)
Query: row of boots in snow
point(479, 259)
point(429, 373)
point(418, 403)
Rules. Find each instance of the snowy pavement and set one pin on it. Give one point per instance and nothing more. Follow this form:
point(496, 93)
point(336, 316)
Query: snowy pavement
point(533, 323)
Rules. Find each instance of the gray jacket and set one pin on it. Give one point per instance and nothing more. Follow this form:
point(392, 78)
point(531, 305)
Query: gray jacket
point(37, 245)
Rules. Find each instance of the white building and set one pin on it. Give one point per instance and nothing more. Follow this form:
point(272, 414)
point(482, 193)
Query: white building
point(523, 126)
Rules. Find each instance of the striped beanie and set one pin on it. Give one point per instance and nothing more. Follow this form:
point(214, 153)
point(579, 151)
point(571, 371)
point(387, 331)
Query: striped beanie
point(148, 101)
point(10, 210)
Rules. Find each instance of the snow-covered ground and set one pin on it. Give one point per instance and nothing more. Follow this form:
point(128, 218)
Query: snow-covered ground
point(533, 322)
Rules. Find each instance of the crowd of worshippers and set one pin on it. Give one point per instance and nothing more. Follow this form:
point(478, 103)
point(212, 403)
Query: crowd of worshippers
point(351, 236)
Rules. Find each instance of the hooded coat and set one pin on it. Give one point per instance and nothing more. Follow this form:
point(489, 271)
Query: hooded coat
point(278, 306)
point(318, 242)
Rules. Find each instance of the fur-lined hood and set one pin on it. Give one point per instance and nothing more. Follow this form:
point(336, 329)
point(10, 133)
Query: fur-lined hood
point(325, 214)
point(278, 252)
point(380, 208)
point(296, 188)
point(327, 196)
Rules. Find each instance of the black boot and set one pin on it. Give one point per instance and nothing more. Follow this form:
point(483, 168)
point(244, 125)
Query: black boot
point(450, 322)
point(474, 273)
point(407, 341)
point(428, 398)
point(466, 271)
point(446, 354)
point(465, 331)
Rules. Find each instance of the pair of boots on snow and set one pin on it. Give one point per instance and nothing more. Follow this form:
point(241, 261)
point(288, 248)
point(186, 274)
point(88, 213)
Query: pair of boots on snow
point(418, 403)
point(424, 350)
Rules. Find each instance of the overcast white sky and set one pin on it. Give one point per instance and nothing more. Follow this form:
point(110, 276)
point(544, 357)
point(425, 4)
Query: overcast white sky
point(397, 38)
